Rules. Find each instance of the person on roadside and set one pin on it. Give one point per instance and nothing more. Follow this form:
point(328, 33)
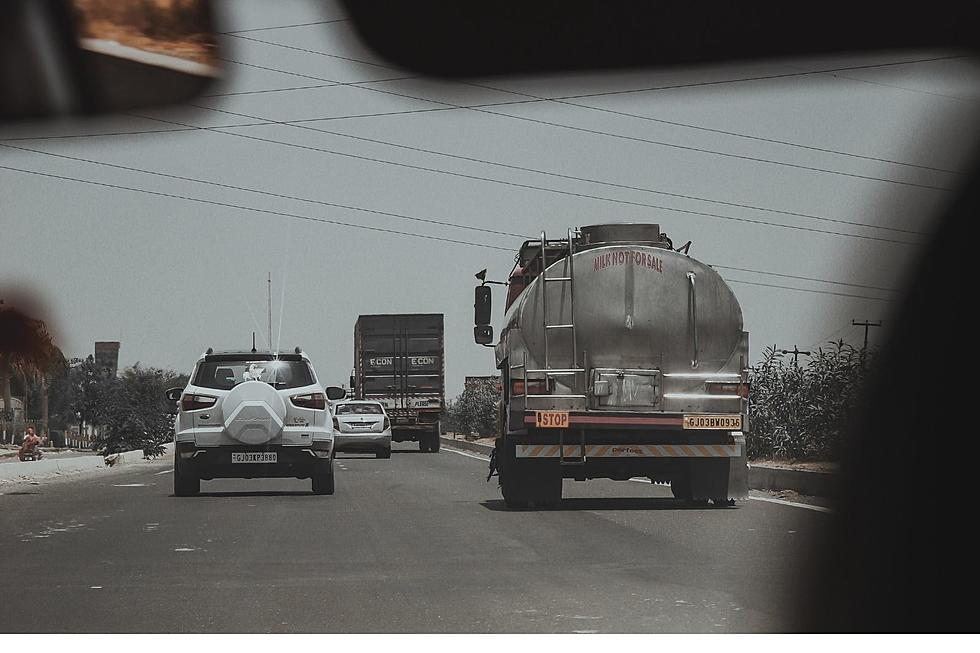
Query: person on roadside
point(31, 445)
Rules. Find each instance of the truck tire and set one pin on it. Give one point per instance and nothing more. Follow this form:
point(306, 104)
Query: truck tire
point(423, 444)
point(384, 453)
point(324, 483)
point(436, 442)
point(527, 483)
point(185, 484)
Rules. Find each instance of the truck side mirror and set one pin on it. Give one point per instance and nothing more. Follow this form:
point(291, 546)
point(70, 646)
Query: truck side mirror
point(483, 334)
point(482, 305)
point(353, 386)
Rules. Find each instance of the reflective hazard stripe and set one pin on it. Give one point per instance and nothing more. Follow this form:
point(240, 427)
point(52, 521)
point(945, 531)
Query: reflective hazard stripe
point(631, 450)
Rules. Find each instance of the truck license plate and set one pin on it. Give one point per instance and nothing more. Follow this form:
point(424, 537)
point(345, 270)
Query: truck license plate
point(551, 419)
point(717, 422)
point(257, 457)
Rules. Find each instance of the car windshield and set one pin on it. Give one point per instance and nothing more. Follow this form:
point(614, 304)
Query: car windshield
point(359, 409)
point(226, 374)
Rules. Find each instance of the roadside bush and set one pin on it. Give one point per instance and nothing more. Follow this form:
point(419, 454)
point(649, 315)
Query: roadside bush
point(801, 412)
point(474, 411)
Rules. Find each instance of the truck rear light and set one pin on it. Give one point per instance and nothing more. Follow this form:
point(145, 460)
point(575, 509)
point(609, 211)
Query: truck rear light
point(740, 389)
point(196, 402)
point(316, 401)
point(534, 387)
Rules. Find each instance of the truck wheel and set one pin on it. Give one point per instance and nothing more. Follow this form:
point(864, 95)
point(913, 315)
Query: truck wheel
point(324, 483)
point(526, 483)
point(185, 485)
point(423, 444)
point(681, 488)
point(384, 453)
point(435, 442)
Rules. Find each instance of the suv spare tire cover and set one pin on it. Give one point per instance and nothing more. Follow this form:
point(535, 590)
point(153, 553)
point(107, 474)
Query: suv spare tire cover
point(254, 412)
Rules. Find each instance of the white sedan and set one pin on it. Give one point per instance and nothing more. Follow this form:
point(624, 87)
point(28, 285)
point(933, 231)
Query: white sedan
point(362, 427)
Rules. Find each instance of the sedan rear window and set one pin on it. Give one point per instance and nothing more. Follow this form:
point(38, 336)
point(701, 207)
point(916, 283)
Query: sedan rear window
point(358, 409)
point(226, 374)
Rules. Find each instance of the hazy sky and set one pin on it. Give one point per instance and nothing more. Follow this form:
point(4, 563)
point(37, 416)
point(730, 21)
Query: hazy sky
point(170, 277)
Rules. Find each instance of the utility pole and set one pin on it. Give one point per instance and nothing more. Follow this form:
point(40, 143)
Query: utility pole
point(867, 325)
point(270, 311)
point(796, 353)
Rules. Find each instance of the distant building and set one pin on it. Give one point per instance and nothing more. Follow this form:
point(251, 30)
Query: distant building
point(107, 357)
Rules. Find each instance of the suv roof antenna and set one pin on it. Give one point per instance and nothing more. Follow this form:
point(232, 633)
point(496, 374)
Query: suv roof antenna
point(253, 342)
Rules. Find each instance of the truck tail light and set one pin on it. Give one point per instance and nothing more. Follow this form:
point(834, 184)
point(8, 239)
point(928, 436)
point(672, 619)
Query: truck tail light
point(740, 389)
point(534, 386)
point(317, 401)
point(196, 402)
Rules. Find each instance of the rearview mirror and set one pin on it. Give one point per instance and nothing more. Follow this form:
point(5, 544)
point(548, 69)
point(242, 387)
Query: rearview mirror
point(335, 393)
point(482, 305)
point(65, 57)
point(173, 394)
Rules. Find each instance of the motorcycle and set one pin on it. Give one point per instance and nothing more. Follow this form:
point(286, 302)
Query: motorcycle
point(30, 455)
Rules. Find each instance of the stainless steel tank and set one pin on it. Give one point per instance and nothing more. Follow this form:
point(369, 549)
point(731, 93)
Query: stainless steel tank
point(645, 316)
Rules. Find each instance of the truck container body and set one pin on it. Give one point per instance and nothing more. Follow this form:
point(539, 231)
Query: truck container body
point(399, 361)
point(620, 357)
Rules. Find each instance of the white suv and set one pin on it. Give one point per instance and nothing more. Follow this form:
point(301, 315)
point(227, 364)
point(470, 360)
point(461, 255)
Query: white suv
point(248, 414)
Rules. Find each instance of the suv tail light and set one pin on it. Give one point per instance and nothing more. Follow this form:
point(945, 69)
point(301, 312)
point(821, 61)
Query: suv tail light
point(196, 402)
point(740, 389)
point(317, 401)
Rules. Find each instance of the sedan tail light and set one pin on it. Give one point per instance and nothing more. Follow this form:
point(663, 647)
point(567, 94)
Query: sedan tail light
point(387, 424)
point(317, 401)
point(196, 402)
point(336, 424)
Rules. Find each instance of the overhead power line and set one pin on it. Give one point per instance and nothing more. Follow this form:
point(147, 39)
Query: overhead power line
point(538, 188)
point(819, 292)
point(348, 207)
point(264, 29)
point(383, 213)
point(484, 109)
point(253, 209)
point(345, 224)
point(549, 173)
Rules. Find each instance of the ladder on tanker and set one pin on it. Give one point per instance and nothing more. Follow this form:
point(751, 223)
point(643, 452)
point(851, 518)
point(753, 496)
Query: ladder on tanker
point(574, 370)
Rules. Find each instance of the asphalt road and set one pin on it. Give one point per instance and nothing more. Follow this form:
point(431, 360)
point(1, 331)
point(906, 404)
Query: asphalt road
point(417, 543)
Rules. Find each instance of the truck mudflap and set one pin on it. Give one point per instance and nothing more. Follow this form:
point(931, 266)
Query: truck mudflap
point(630, 451)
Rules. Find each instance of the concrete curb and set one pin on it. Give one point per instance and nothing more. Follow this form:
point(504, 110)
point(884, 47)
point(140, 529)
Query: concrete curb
point(812, 483)
point(44, 468)
point(761, 477)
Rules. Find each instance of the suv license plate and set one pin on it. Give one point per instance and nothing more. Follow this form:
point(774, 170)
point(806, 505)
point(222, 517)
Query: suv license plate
point(718, 422)
point(551, 419)
point(258, 457)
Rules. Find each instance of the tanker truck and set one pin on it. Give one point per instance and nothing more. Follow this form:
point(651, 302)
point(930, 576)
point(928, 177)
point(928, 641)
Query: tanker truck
point(620, 357)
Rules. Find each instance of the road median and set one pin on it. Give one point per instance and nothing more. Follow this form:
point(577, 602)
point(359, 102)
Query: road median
point(13, 471)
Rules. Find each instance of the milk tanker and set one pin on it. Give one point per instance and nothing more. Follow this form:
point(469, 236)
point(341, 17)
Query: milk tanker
point(619, 357)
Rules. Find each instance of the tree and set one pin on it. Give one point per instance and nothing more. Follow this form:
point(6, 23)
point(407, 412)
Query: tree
point(132, 411)
point(474, 411)
point(801, 412)
point(25, 349)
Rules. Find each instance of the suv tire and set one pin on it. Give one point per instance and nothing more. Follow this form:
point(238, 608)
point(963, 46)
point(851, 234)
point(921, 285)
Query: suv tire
point(324, 483)
point(185, 485)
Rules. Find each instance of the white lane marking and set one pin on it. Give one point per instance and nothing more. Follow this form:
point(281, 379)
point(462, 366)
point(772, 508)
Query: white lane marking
point(182, 549)
point(782, 502)
point(166, 471)
point(468, 455)
point(95, 587)
point(129, 485)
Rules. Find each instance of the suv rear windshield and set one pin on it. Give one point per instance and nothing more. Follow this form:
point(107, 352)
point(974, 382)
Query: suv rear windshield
point(226, 374)
point(358, 409)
